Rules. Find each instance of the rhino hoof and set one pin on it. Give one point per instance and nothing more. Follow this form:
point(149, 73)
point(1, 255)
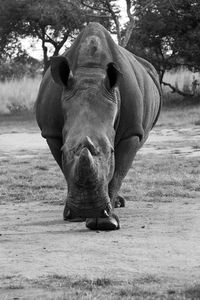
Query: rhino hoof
point(119, 202)
point(110, 223)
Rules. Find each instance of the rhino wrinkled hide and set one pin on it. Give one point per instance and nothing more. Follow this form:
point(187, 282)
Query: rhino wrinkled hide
point(96, 106)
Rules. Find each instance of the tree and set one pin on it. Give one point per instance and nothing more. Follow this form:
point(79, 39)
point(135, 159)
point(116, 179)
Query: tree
point(167, 34)
point(106, 12)
point(52, 22)
point(10, 26)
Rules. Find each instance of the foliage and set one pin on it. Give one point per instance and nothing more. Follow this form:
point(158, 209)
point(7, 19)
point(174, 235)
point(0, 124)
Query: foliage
point(19, 66)
point(49, 21)
point(11, 25)
point(52, 22)
point(106, 12)
point(167, 33)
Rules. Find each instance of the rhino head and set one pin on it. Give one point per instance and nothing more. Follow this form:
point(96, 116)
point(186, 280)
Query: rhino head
point(90, 104)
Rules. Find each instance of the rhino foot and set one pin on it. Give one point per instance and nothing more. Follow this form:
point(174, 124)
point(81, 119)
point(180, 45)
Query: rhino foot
point(110, 223)
point(119, 201)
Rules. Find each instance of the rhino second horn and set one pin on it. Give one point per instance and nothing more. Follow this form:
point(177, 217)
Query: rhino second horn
point(87, 142)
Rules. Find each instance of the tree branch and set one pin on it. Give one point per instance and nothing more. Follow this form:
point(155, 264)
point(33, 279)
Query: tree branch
point(49, 40)
point(64, 39)
point(97, 16)
point(115, 19)
point(176, 90)
point(131, 24)
point(97, 8)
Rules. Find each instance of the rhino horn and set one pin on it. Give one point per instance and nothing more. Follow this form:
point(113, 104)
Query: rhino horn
point(87, 142)
point(85, 168)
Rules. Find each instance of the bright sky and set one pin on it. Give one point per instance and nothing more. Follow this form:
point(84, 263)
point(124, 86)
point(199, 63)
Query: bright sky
point(34, 47)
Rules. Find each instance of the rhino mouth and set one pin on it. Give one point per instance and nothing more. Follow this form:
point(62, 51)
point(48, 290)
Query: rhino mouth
point(72, 211)
point(87, 201)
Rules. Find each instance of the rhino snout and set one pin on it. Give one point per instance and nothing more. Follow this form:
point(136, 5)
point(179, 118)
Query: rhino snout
point(86, 171)
point(72, 212)
point(86, 161)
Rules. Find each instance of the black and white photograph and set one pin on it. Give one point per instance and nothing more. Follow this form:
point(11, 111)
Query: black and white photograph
point(99, 149)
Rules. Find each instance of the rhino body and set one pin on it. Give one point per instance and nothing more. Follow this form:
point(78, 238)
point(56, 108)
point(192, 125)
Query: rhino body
point(96, 106)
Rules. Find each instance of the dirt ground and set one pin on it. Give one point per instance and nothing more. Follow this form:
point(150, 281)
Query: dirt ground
point(155, 254)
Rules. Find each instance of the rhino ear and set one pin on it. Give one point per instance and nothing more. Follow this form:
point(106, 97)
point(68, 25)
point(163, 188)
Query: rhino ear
point(112, 75)
point(60, 70)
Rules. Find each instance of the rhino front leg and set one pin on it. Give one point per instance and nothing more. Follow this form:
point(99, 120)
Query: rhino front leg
point(124, 155)
point(55, 145)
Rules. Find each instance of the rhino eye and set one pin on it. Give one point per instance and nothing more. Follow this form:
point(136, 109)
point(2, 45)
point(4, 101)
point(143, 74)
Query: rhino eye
point(68, 94)
point(110, 95)
point(111, 76)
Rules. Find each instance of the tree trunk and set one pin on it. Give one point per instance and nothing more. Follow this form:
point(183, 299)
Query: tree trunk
point(45, 50)
point(128, 33)
point(45, 58)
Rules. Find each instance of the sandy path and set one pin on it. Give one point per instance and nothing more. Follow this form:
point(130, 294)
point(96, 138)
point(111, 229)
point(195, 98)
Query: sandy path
point(156, 239)
point(160, 240)
point(160, 141)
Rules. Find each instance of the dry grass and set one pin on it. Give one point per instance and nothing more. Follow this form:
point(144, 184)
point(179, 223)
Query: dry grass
point(55, 287)
point(18, 95)
point(182, 79)
point(179, 116)
point(32, 178)
point(151, 179)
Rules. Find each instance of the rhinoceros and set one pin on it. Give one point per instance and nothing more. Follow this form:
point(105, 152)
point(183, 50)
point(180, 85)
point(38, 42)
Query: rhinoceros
point(96, 106)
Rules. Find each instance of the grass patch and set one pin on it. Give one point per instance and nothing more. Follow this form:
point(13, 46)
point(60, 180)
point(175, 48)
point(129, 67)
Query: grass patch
point(179, 116)
point(18, 122)
point(193, 292)
point(151, 178)
point(162, 179)
point(27, 182)
point(64, 287)
point(18, 95)
point(197, 123)
point(79, 285)
point(15, 287)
